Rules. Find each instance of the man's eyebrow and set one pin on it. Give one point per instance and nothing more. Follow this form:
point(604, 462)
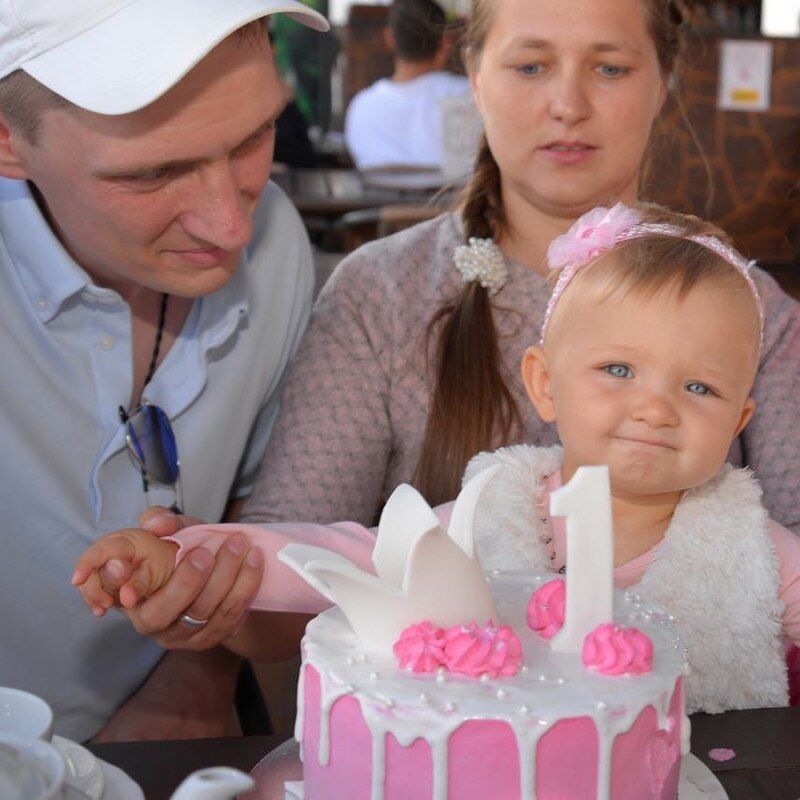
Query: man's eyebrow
point(182, 164)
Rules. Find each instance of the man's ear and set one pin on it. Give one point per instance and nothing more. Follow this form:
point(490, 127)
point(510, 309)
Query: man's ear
point(536, 377)
point(388, 38)
point(10, 164)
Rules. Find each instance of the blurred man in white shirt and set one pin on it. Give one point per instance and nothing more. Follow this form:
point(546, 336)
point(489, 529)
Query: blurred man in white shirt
point(398, 120)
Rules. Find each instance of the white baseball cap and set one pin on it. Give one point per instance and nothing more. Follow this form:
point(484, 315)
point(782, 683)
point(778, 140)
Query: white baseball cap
point(116, 56)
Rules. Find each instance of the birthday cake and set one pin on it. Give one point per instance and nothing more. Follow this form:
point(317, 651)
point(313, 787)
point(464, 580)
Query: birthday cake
point(404, 695)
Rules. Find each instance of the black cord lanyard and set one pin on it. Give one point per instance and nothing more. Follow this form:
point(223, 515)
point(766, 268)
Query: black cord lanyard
point(162, 317)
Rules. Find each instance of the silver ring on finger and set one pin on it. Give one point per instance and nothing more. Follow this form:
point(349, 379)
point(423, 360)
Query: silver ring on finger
point(192, 622)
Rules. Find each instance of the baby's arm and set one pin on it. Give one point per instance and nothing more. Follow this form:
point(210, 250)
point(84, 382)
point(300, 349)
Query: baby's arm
point(145, 563)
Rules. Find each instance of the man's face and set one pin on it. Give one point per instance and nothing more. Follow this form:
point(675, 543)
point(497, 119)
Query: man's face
point(163, 197)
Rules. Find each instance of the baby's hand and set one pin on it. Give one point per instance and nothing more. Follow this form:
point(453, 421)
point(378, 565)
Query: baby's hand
point(142, 561)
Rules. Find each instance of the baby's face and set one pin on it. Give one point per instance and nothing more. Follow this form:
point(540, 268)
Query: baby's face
point(657, 388)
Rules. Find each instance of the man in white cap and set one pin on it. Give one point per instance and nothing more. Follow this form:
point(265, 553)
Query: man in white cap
point(149, 273)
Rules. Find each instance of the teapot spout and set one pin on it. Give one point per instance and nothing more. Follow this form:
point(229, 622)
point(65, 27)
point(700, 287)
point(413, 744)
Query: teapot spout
point(213, 783)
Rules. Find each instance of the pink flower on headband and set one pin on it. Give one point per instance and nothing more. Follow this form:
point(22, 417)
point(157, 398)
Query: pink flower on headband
point(594, 233)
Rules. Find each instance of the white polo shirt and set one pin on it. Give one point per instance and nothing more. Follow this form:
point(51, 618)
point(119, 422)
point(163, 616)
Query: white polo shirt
point(65, 476)
point(401, 123)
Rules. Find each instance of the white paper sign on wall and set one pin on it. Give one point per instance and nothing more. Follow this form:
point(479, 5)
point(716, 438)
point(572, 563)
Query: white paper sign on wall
point(745, 75)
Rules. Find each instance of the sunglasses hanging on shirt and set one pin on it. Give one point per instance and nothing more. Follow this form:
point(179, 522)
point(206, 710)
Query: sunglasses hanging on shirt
point(149, 435)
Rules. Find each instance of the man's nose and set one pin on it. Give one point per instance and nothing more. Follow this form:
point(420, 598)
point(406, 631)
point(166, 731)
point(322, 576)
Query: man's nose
point(569, 102)
point(218, 211)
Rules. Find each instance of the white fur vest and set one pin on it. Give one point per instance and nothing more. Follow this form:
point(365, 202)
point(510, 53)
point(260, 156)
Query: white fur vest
point(716, 571)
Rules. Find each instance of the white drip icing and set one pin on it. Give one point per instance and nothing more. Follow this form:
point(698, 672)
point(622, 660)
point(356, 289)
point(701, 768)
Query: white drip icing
point(390, 702)
point(301, 704)
point(327, 698)
point(378, 765)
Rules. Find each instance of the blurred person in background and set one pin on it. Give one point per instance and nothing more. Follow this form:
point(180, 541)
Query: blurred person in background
point(398, 120)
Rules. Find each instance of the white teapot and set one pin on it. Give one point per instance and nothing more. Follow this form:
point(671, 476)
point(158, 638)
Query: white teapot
point(213, 783)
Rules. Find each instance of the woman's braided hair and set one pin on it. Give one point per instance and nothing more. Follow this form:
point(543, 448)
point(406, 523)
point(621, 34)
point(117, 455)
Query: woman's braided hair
point(471, 407)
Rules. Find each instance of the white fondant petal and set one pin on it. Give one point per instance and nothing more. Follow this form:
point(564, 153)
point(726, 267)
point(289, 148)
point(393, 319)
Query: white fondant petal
point(306, 560)
point(405, 518)
point(444, 586)
point(462, 520)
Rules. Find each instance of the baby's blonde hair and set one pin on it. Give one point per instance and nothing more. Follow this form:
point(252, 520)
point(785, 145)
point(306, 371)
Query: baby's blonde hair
point(653, 263)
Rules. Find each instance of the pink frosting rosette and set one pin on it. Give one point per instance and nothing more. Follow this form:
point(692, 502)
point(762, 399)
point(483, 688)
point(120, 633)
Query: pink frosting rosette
point(546, 608)
point(420, 648)
point(617, 650)
point(490, 650)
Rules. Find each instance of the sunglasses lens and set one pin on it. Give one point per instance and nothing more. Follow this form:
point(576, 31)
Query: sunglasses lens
point(153, 444)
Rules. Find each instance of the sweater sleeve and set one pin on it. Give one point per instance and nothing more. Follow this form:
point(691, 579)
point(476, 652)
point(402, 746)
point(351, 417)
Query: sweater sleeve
point(330, 447)
point(787, 547)
point(771, 442)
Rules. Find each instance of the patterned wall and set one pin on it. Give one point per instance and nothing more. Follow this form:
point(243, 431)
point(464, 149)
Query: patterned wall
point(754, 157)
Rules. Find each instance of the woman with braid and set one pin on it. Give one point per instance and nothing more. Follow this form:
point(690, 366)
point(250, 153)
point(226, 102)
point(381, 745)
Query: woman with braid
point(410, 365)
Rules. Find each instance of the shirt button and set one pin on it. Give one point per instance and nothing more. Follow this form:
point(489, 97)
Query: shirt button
point(106, 343)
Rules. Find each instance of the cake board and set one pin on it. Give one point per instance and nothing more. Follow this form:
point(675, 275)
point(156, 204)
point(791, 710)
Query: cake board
point(697, 781)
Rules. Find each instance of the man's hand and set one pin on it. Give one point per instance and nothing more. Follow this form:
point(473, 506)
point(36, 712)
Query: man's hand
point(187, 696)
point(217, 591)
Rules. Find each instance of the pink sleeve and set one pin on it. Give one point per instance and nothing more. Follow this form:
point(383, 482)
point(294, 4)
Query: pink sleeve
point(787, 546)
point(282, 589)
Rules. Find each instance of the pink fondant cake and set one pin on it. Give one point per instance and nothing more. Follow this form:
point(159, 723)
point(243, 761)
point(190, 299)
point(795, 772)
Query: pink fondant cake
point(555, 730)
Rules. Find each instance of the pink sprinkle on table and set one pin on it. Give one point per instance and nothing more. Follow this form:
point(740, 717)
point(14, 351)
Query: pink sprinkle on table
point(721, 754)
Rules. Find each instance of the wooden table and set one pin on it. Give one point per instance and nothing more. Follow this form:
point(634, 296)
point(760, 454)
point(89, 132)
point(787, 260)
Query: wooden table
point(331, 193)
point(766, 766)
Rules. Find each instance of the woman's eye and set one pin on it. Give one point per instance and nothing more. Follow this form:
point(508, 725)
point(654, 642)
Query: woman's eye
point(531, 69)
point(698, 388)
point(619, 371)
point(612, 70)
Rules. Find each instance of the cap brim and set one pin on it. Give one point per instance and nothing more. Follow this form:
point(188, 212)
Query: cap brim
point(133, 57)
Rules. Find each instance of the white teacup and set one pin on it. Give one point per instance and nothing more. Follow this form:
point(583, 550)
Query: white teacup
point(30, 769)
point(25, 714)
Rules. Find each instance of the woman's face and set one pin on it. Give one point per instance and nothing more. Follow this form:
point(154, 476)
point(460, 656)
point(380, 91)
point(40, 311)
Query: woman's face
point(568, 91)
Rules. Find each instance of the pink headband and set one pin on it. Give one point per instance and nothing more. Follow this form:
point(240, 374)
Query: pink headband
point(601, 229)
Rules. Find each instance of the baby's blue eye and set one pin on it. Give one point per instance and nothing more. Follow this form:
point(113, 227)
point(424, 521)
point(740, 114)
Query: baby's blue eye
point(619, 371)
point(697, 388)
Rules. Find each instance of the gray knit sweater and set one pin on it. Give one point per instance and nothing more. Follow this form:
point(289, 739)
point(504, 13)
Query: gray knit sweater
point(356, 401)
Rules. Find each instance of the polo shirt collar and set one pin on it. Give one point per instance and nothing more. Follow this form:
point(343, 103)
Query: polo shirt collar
point(47, 272)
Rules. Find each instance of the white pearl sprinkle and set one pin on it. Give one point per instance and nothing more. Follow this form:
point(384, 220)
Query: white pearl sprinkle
point(450, 707)
point(485, 677)
point(423, 698)
point(373, 676)
point(500, 694)
point(561, 681)
point(350, 661)
point(350, 689)
point(601, 706)
point(524, 710)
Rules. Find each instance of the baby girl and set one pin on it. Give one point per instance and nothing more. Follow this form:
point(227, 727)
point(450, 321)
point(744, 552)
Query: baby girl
point(647, 357)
